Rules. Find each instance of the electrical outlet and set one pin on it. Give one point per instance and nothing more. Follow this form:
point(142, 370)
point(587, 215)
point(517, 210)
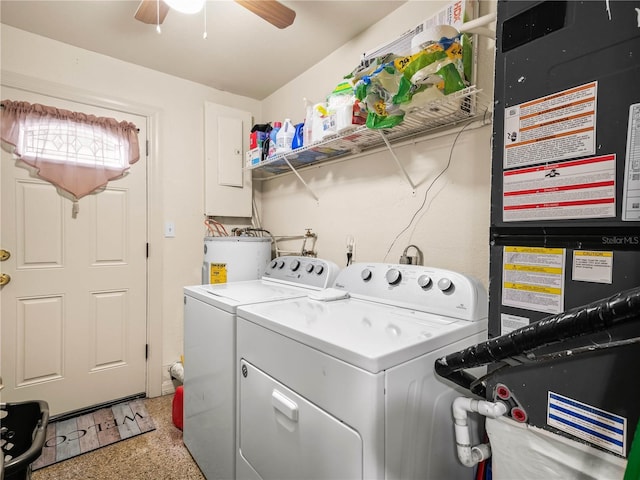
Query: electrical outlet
point(169, 229)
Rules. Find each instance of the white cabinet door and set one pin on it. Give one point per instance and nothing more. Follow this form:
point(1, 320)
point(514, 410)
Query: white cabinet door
point(284, 436)
point(227, 189)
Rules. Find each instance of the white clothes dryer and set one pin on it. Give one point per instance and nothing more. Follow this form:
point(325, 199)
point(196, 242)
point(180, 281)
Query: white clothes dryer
point(210, 353)
point(341, 384)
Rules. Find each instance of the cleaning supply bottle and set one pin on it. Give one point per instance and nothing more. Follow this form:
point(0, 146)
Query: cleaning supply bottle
point(298, 140)
point(307, 130)
point(284, 137)
point(273, 138)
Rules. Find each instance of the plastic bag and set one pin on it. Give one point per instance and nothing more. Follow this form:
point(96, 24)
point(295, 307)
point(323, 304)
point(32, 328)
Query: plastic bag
point(388, 84)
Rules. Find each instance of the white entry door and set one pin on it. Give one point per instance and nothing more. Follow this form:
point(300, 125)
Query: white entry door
point(74, 314)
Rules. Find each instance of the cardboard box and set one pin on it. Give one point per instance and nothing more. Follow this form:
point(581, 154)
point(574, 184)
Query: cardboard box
point(256, 138)
point(253, 157)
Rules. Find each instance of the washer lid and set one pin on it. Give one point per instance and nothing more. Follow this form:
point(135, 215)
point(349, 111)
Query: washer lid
point(229, 296)
point(369, 335)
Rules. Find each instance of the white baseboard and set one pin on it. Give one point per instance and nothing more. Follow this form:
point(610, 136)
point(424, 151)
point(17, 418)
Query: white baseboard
point(168, 386)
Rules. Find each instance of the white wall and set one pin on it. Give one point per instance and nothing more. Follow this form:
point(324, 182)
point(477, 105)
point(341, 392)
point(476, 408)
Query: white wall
point(367, 197)
point(177, 158)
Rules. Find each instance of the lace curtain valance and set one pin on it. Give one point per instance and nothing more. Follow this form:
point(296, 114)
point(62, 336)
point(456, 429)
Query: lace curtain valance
point(76, 152)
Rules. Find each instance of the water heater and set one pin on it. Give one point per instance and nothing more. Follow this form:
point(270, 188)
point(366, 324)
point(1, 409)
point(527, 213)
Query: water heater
point(231, 259)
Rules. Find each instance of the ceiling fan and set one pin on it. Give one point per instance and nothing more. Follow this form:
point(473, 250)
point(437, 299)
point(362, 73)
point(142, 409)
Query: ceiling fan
point(274, 12)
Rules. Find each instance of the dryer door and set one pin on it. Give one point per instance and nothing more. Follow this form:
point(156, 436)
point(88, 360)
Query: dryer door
point(284, 436)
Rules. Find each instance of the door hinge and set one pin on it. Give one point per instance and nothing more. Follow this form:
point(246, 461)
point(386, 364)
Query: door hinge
point(147, 250)
point(146, 351)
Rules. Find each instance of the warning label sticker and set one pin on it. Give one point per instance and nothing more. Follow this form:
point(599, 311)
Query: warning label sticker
point(589, 423)
point(584, 188)
point(218, 273)
point(589, 266)
point(532, 278)
point(555, 127)
point(509, 323)
point(631, 189)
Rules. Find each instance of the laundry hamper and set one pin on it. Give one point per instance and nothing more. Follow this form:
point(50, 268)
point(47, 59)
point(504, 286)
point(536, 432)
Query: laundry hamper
point(23, 426)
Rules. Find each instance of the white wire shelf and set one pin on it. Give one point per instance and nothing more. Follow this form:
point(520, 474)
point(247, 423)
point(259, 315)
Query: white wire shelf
point(464, 105)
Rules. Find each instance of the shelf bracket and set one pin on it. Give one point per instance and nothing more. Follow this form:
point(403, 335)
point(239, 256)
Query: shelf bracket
point(284, 157)
point(393, 154)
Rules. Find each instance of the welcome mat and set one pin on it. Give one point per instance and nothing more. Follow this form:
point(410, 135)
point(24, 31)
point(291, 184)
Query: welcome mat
point(74, 436)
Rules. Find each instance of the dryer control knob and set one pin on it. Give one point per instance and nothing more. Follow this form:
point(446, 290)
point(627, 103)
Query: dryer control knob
point(444, 284)
point(319, 270)
point(366, 274)
point(273, 264)
point(393, 276)
point(295, 264)
point(281, 264)
point(310, 268)
point(424, 281)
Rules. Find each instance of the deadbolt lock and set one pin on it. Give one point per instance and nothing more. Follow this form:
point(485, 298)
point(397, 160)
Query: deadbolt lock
point(4, 279)
point(4, 255)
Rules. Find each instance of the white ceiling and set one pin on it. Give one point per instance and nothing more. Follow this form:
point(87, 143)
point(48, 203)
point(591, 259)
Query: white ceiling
point(242, 54)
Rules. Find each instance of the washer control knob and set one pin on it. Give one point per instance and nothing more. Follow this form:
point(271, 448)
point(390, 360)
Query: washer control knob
point(310, 268)
point(393, 276)
point(295, 264)
point(444, 284)
point(281, 264)
point(273, 264)
point(424, 281)
point(366, 274)
point(319, 270)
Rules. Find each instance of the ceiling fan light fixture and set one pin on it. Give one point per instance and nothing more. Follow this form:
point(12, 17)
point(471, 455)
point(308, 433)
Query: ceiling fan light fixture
point(186, 6)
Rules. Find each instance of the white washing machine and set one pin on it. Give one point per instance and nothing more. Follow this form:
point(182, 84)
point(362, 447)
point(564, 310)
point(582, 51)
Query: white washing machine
point(210, 353)
point(344, 388)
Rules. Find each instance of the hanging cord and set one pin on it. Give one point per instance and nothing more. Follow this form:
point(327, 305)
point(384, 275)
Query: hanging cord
point(350, 244)
point(255, 219)
point(426, 193)
point(204, 35)
point(158, 29)
point(415, 225)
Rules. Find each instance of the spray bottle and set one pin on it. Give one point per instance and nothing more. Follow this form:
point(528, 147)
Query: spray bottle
point(307, 131)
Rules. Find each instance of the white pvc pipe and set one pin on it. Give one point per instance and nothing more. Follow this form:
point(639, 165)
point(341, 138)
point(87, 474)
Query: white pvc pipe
point(483, 21)
point(470, 455)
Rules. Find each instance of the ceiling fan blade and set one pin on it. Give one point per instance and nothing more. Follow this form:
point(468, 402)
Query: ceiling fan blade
point(147, 11)
point(272, 11)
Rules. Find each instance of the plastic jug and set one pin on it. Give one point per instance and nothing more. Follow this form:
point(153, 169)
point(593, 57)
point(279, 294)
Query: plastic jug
point(284, 137)
point(273, 137)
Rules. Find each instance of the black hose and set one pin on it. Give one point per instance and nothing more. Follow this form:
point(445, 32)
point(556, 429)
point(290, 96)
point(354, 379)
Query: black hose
point(623, 307)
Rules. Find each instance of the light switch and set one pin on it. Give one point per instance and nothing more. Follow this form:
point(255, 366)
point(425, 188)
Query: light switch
point(169, 229)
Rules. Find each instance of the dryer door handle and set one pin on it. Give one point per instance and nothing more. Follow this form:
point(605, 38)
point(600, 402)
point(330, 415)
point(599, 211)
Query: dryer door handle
point(284, 405)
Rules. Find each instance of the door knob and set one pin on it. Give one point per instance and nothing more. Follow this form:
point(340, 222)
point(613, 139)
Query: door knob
point(4, 279)
point(4, 255)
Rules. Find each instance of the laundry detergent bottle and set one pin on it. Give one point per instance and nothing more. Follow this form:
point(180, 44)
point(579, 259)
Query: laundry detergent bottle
point(298, 139)
point(273, 138)
point(284, 137)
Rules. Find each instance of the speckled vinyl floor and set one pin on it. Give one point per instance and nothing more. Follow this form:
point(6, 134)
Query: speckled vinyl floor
point(157, 455)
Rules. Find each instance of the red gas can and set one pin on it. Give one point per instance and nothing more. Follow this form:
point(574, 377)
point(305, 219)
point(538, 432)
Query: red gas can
point(178, 407)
